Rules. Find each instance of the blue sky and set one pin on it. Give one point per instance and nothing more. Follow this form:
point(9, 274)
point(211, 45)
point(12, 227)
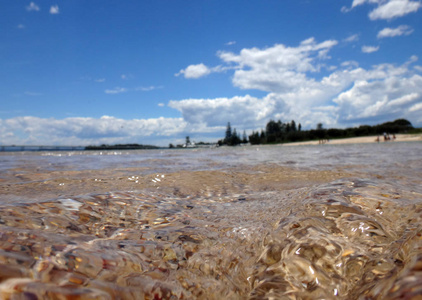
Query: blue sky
point(90, 72)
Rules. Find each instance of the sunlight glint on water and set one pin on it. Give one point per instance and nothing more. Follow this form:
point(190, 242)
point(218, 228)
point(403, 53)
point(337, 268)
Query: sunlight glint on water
point(230, 224)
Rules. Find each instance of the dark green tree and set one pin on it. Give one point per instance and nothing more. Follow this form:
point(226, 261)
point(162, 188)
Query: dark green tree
point(320, 131)
point(228, 133)
point(254, 138)
point(273, 127)
point(235, 139)
point(262, 136)
point(245, 137)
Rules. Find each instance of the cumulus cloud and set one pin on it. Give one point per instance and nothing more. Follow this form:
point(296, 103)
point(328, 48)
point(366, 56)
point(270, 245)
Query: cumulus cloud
point(384, 98)
point(387, 9)
point(32, 7)
point(246, 111)
point(350, 63)
point(277, 68)
point(392, 32)
point(355, 3)
point(370, 49)
point(296, 90)
point(195, 71)
point(84, 131)
point(201, 70)
point(54, 9)
point(394, 9)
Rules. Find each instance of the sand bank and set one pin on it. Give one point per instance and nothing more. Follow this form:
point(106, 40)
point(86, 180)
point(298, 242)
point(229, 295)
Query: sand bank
point(363, 139)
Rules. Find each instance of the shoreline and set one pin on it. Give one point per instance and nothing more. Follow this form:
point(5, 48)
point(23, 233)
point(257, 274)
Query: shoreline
point(361, 140)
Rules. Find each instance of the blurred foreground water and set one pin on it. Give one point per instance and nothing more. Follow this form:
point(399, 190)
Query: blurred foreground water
point(273, 222)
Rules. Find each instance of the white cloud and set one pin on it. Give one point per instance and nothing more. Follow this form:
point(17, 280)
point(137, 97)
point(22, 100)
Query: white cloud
point(389, 97)
point(352, 38)
point(392, 32)
point(345, 9)
point(32, 7)
point(387, 9)
point(355, 3)
point(21, 26)
point(84, 131)
point(100, 80)
point(347, 97)
point(230, 43)
point(148, 88)
point(416, 107)
point(360, 2)
point(116, 90)
point(350, 63)
point(54, 9)
point(394, 9)
point(246, 111)
point(370, 49)
point(406, 99)
point(277, 68)
point(194, 71)
point(296, 90)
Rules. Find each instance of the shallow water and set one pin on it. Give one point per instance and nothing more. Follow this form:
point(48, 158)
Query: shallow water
point(316, 222)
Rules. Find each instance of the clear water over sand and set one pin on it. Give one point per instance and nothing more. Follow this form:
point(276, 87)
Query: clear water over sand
point(272, 222)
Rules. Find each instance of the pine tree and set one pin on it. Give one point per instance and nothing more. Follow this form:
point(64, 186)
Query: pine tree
point(245, 138)
point(228, 133)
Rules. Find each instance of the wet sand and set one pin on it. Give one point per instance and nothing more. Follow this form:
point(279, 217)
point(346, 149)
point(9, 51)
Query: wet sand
point(363, 140)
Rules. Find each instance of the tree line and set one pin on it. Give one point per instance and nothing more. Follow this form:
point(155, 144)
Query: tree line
point(276, 132)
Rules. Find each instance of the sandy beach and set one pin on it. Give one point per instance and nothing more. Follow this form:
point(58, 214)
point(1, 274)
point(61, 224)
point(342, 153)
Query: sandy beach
point(362, 140)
